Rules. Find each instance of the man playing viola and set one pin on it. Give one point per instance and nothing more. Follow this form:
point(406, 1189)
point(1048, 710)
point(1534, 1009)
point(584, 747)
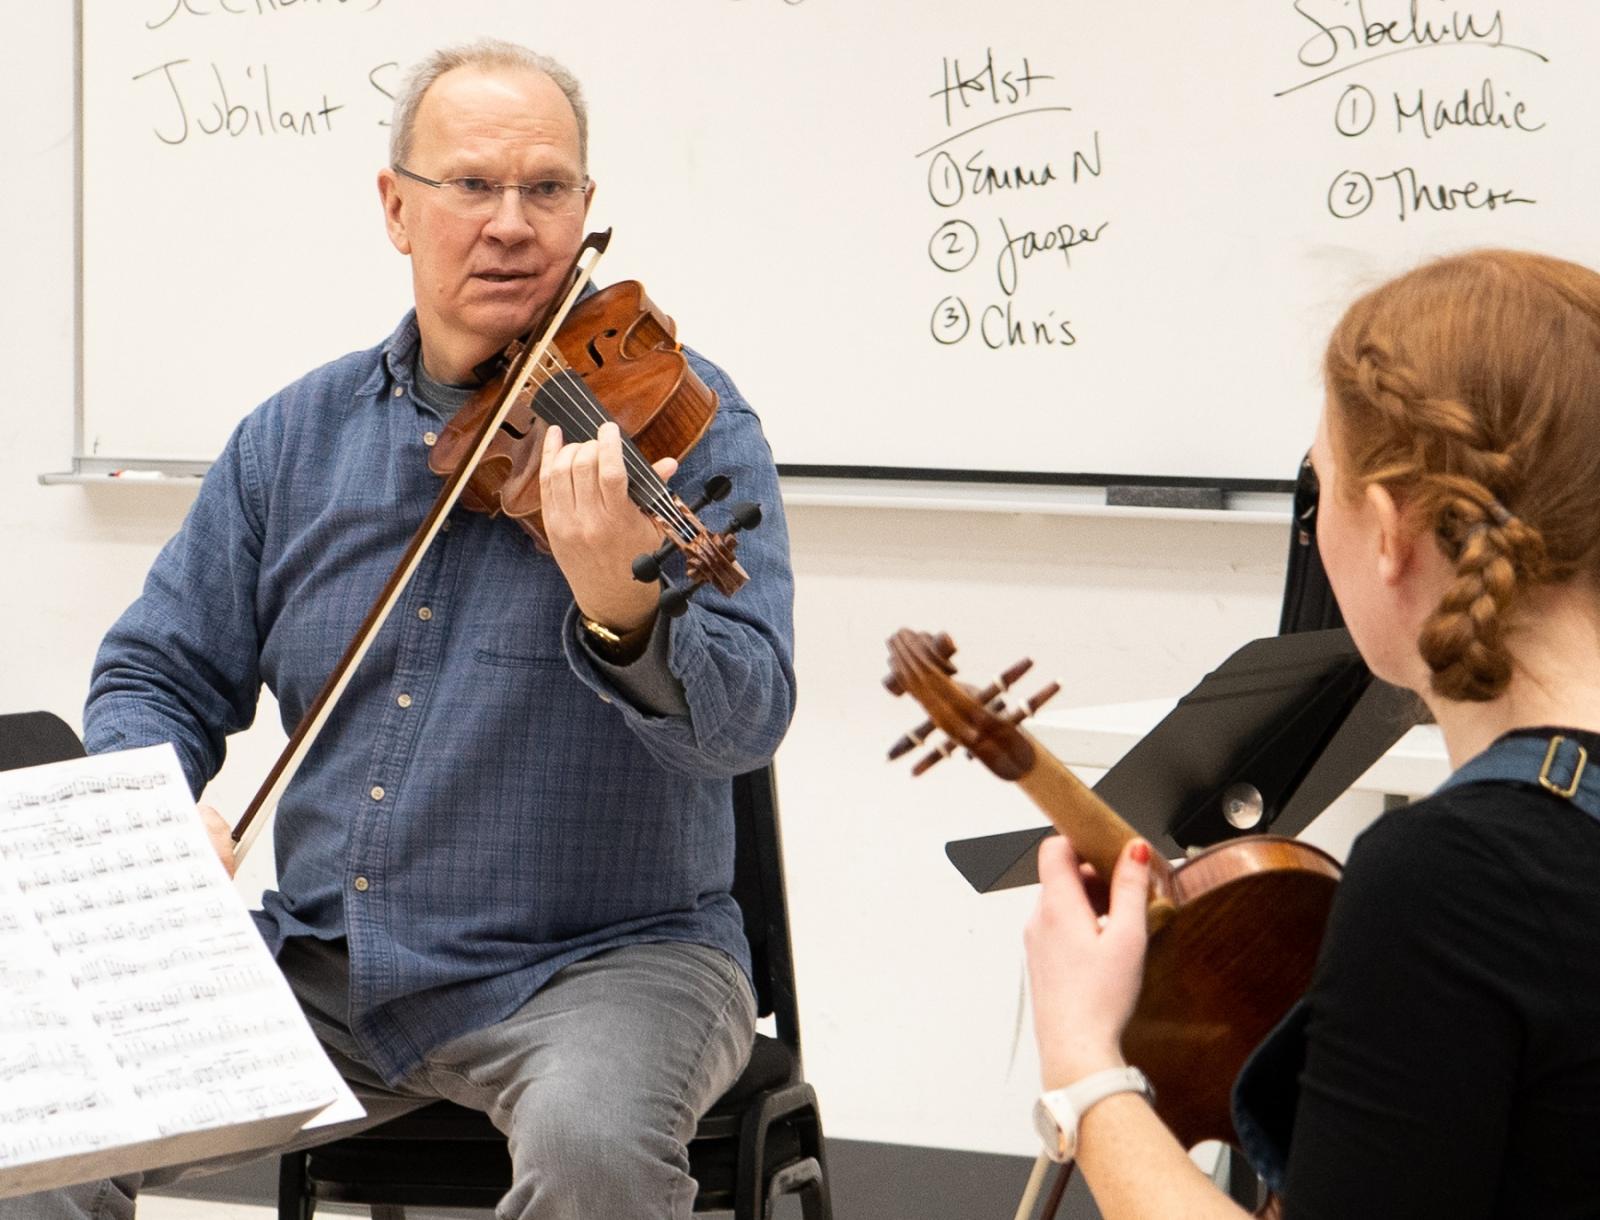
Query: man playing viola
point(504, 868)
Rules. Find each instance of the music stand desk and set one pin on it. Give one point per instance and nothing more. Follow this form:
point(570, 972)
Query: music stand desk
point(1095, 737)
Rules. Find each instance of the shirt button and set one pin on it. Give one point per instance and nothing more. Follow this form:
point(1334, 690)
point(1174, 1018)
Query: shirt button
point(425, 614)
point(399, 390)
point(377, 792)
point(404, 700)
point(362, 885)
point(430, 438)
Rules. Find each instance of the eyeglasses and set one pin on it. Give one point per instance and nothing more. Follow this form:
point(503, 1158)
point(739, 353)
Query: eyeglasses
point(481, 196)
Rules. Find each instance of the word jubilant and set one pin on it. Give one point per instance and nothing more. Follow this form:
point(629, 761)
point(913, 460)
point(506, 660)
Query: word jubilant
point(231, 117)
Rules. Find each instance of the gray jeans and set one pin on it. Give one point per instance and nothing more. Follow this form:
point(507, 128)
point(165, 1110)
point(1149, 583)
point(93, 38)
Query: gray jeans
point(597, 1081)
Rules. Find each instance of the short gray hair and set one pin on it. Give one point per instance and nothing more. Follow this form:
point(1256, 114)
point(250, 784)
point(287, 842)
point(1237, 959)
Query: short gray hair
point(484, 53)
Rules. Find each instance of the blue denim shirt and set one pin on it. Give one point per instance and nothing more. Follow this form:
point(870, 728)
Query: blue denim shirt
point(484, 807)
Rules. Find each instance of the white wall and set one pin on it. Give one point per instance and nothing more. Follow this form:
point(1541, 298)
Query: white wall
point(909, 982)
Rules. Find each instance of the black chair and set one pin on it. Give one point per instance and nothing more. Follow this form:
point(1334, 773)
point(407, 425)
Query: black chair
point(763, 1139)
point(30, 738)
point(1308, 601)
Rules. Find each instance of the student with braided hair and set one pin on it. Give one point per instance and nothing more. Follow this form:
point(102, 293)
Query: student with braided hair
point(1446, 1061)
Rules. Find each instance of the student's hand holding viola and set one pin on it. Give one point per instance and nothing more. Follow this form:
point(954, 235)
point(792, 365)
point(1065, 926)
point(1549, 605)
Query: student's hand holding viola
point(1085, 969)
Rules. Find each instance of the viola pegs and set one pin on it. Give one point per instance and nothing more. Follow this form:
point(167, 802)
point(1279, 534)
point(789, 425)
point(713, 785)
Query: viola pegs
point(992, 698)
point(911, 740)
point(675, 600)
point(933, 758)
point(1010, 676)
point(715, 488)
point(647, 568)
point(1043, 697)
point(989, 695)
point(745, 515)
point(1020, 714)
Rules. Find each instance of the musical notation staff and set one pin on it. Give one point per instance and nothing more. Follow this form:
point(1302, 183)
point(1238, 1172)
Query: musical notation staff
point(141, 1004)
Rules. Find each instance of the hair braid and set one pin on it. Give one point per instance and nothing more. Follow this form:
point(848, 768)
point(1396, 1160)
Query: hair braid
point(1497, 558)
point(1445, 433)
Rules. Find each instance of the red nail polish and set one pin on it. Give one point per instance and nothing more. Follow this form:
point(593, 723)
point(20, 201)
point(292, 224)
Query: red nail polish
point(1141, 852)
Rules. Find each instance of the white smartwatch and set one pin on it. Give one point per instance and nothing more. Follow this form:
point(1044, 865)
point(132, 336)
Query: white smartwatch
point(1056, 1114)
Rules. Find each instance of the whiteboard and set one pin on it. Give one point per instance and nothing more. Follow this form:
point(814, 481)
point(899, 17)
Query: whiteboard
point(1055, 236)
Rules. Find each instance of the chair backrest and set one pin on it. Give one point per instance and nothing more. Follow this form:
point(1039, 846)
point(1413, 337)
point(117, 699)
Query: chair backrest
point(758, 887)
point(30, 738)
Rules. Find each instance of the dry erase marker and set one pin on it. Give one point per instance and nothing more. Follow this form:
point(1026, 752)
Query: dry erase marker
point(136, 474)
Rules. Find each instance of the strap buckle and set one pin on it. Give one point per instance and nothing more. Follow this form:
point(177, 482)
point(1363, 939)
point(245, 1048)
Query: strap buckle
point(1549, 784)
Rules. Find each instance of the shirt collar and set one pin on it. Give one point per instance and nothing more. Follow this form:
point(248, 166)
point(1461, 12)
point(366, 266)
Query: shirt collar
point(398, 352)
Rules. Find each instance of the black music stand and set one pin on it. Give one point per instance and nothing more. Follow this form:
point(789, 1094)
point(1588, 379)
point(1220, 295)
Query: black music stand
point(1278, 731)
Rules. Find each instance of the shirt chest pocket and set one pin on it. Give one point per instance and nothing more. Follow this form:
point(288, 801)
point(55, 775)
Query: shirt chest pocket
point(513, 601)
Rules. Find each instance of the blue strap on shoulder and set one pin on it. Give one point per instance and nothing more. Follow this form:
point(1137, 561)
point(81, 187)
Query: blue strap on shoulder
point(1557, 764)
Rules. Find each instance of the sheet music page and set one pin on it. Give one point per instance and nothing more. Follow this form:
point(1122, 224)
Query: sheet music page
point(140, 1002)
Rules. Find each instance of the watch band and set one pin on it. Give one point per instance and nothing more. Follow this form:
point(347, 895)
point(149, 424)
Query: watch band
point(1056, 1114)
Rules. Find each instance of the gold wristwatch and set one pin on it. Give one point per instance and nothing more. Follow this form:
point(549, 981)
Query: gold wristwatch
point(618, 647)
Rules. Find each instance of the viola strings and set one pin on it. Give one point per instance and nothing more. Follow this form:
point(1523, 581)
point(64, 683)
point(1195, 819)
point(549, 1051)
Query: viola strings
point(582, 416)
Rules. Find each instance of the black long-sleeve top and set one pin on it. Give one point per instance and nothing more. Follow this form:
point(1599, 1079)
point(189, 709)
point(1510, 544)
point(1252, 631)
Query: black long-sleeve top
point(1452, 1039)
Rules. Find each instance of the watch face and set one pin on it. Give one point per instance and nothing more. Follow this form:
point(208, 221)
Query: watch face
point(1057, 1113)
point(1050, 1132)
